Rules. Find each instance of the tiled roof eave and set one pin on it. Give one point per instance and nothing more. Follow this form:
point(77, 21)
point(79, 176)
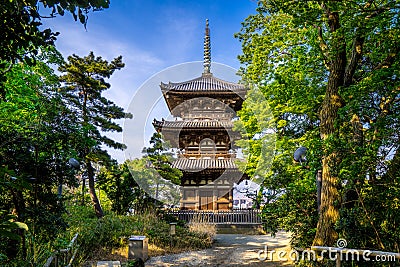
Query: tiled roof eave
point(193, 124)
point(208, 92)
point(186, 164)
point(205, 83)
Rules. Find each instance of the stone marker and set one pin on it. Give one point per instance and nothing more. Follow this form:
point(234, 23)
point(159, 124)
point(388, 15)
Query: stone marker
point(108, 264)
point(138, 248)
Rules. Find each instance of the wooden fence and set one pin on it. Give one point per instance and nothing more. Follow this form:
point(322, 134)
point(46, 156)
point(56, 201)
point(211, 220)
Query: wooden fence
point(219, 217)
point(63, 257)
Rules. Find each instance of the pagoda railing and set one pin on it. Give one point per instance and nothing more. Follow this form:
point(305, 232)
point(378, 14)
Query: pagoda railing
point(239, 216)
point(202, 154)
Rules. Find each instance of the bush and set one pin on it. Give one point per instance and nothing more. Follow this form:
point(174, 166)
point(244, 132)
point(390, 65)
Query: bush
point(201, 225)
point(112, 232)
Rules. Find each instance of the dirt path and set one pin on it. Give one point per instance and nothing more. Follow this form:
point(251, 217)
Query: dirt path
point(228, 250)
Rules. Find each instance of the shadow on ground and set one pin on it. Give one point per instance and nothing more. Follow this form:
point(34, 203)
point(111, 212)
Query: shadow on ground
point(230, 250)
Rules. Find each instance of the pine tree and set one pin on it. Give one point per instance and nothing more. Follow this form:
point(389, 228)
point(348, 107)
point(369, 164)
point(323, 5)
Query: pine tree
point(84, 80)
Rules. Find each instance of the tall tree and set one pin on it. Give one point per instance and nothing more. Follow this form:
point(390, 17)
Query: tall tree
point(329, 70)
point(84, 81)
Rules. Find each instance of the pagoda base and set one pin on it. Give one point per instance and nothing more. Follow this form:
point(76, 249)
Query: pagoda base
point(208, 197)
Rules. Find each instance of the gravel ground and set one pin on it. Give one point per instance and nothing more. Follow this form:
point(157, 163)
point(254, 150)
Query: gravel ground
point(228, 250)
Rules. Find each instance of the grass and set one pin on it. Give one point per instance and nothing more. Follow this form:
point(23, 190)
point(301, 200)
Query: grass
point(201, 225)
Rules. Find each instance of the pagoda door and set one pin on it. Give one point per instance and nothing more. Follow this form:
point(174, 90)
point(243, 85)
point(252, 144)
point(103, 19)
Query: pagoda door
point(206, 200)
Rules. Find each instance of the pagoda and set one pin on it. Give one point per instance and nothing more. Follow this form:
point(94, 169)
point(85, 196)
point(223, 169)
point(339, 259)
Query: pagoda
point(204, 109)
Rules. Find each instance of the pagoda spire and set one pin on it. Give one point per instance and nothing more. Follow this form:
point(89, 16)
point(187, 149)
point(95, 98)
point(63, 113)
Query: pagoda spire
point(207, 50)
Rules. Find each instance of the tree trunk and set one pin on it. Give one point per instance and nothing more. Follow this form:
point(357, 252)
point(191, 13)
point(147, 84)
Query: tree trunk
point(92, 191)
point(329, 210)
point(89, 168)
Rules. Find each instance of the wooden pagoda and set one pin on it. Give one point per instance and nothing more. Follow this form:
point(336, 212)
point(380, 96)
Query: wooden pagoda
point(202, 132)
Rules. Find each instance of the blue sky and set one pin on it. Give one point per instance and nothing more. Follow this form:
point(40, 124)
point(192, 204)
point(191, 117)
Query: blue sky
point(152, 36)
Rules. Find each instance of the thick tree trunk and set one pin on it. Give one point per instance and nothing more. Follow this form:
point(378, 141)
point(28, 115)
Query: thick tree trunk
point(329, 210)
point(92, 191)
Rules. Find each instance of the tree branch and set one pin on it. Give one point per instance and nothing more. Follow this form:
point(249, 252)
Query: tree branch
point(323, 47)
point(388, 61)
point(370, 220)
point(356, 54)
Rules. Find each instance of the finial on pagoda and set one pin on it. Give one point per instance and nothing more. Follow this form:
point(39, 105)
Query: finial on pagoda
point(207, 50)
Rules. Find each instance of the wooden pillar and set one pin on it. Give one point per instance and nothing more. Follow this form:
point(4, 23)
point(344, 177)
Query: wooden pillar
point(230, 205)
point(215, 198)
point(197, 199)
point(182, 194)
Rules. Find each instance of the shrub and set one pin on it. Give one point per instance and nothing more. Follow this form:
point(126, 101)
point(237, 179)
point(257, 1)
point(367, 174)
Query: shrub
point(201, 225)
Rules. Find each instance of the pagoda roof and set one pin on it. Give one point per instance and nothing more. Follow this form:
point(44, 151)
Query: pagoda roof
point(186, 164)
point(206, 83)
point(193, 124)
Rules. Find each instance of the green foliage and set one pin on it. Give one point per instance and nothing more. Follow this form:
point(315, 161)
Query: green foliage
point(290, 49)
point(84, 80)
point(8, 224)
point(21, 20)
point(122, 189)
point(22, 39)
point(36, 137)
point(156, 187)
point(160, 156)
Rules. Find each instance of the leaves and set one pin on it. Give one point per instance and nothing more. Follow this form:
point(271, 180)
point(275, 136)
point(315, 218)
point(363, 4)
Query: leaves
point(8, 224)
point(84, 81)
point(21, 23)
point(290, 49)
point(160, 156)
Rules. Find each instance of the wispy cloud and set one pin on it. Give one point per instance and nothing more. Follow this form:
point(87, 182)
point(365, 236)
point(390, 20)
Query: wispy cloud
point(150, 36)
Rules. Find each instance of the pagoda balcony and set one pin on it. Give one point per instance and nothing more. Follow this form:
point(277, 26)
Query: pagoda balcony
point(207, 155)
point(203, 154)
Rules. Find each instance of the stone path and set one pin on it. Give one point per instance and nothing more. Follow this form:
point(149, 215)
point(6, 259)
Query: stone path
point(229, 250)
